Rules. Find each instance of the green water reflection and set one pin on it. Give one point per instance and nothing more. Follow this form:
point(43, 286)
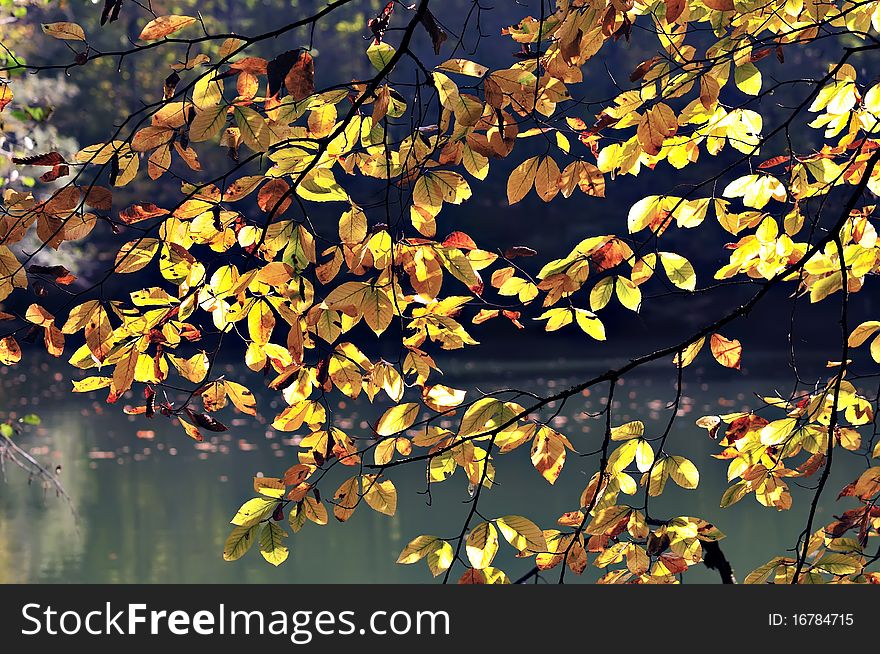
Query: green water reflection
point(156, 509)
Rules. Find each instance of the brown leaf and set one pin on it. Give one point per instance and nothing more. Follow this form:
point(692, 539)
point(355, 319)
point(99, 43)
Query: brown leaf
point(273, 192)
point(138, 212)
point(760, 54)
point(438, 36)
point(644, 67)
point(205, 421)
point(295, 71)
point(719, 5)
point(300, 80)
point(99, 197)
point(674, 8)
point(473, 576)
point(519, 251)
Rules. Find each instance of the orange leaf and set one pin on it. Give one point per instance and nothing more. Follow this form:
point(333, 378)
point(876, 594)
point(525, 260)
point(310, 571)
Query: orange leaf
point(727, 352)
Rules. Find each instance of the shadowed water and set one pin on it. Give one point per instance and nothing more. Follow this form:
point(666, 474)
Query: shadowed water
point(154, 506)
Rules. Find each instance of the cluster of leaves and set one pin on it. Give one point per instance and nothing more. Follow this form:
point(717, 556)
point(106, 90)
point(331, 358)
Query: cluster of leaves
point(239, 256)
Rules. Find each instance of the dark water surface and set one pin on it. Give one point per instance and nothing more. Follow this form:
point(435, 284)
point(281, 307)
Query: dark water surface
point(154, 506)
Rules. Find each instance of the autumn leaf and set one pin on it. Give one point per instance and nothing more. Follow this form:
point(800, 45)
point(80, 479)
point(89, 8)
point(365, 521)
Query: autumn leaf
point(727, 352)
point(397, 419)
point(522, 179)
point(64, 31)
point(163, 26)
point(482, 545)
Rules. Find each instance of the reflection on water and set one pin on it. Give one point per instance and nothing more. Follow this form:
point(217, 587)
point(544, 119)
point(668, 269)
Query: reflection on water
point(154, 506)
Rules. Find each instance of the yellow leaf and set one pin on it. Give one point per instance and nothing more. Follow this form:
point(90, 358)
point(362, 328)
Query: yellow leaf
point(315, 510)
point(261, 322)
point(628, 293)
point(380, 54)
point(658, 124)
point(353, 226)
point(522, 179)
point(590, 324)
point(548, 454)
point(253, 511)
point(135, 255)
point(442, 398)
point(683, 471)
point(194, 369)
point(207, 94)
point(522, 533)
point(482, 545)
point(12, 273)
point(606, 518)
point(547, 178)
point(346, 499)
point(687, 356)
point(679, 270)
point(10, 351)
point(397, 419)
point(241, 397)
point(90, 384)
point(601, 294)
point(644, 455)
point(863, 332)
point(64, 31)
point(463, 67)
point(381, 496)
point(634, 429)
point(440, 558)
point(160, 27)
point(778, 431)
point(748, 78)
point(417, 549)
point(123, 374)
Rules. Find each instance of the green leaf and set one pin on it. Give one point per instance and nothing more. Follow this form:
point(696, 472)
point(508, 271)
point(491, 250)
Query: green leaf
point(838, 564)
point(380, 54)
point(734, 494)
point(238, 543)
point(31, 419)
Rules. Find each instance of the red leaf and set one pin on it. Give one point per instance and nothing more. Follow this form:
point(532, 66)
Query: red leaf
point(519, 251)
point(47, 159)
point(60, 273)
point(61, 170)
point(459, 240)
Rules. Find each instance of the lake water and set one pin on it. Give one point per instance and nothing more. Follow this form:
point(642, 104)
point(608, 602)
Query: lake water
point(153, 506)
